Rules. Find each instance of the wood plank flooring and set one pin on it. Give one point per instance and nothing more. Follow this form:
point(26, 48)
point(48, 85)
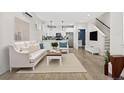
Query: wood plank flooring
point(93, 64)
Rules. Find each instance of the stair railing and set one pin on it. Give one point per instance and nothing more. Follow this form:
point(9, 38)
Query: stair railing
point(102, 23)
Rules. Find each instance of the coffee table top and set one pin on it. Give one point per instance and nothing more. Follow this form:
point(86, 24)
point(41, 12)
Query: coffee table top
point(54, 53)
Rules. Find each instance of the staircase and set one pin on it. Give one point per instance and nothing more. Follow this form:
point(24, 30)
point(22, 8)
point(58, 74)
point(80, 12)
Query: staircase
point(106, 30)
point(107, 42)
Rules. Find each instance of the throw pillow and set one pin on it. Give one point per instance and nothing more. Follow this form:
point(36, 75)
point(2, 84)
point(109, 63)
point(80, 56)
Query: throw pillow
point(41, 46)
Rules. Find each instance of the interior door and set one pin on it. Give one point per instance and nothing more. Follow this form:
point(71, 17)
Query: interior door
point(82, 36)
point(70, 39)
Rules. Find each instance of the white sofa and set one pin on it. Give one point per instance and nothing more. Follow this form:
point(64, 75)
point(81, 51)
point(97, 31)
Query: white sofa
point(25, 54)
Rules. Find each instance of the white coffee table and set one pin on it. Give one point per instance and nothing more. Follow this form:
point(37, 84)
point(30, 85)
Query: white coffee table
point(54, 55)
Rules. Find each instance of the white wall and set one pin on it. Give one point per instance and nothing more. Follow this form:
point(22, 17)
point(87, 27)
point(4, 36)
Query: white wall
point(116, 33)
point(7, 29)
point(7, 36)
point(105, 18)
point(36, 34)
point(99, 43)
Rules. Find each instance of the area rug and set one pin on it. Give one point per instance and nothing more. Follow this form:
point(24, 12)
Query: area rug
point(69, 64)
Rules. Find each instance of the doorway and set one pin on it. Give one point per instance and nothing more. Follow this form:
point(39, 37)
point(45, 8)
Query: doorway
point(81, 38)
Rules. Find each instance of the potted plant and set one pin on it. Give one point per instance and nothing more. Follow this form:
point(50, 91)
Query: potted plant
point(54, 45)
point(106, 60)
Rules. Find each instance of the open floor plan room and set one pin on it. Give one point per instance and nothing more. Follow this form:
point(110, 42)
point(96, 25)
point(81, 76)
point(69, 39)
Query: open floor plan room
point(92, 63)
point(61, 46)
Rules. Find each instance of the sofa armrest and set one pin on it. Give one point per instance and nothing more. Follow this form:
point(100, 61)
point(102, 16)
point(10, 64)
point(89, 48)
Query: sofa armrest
point(18, 58)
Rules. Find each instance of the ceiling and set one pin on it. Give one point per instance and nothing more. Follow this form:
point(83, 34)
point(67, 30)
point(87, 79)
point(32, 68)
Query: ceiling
point(68, 17)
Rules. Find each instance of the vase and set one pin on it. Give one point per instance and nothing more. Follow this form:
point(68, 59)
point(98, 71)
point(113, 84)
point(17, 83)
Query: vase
point(106, 68)
point(55, 48)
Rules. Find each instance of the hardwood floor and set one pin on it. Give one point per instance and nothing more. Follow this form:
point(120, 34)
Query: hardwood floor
point(93, 64)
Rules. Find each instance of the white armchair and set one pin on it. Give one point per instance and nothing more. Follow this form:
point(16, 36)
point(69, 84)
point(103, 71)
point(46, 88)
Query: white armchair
point(63, 46)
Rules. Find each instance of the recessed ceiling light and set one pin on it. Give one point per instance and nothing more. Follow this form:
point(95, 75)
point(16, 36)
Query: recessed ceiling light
point(88, 15)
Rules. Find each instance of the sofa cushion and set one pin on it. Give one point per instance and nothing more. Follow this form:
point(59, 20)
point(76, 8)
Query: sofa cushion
point(34, 48)
point(19, 45)
point(30, 46)
point(37, 54)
